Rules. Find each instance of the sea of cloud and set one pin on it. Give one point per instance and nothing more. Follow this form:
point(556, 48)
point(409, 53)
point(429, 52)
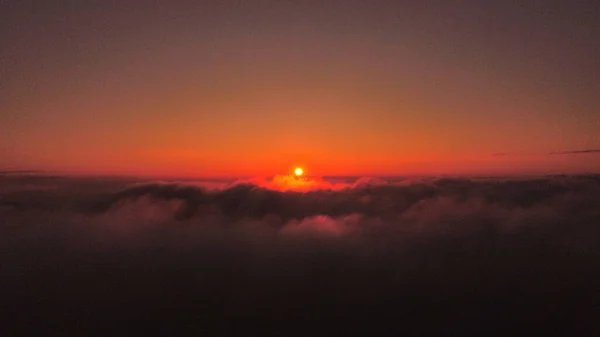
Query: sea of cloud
point(290, 256)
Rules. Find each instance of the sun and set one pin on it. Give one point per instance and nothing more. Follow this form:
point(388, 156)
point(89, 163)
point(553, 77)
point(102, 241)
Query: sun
point(298, 171)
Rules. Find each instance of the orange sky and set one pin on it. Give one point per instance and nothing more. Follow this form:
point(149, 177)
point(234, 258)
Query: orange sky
point(228, 90)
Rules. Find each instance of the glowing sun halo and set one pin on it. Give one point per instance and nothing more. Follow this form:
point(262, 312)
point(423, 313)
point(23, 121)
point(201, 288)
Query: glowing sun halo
point(298, 171)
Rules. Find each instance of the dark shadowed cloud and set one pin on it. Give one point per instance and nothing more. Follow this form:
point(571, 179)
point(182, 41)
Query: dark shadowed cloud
point(486, 256)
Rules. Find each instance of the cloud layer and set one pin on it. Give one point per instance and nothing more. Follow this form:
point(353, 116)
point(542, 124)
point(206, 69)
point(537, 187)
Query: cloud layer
point(372, 256)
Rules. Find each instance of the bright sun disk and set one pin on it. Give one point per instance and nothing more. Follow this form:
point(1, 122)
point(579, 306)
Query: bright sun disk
point(298, 171)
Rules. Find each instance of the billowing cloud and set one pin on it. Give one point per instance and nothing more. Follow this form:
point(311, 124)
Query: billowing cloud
point(476, 256)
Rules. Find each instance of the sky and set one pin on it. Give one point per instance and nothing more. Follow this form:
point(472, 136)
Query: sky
point(247, 88)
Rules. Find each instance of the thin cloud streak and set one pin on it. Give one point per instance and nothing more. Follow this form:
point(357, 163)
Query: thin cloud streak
point(513, 154)
point(590, 151)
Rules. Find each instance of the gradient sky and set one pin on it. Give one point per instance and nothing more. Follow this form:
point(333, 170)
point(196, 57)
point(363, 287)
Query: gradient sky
point(219, 88)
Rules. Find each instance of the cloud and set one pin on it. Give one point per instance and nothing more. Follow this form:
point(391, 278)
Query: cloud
point(20, 172)
point(321, 224)
point(586, 151)
point(292, 183)
point(479, 257)
point(589, 151)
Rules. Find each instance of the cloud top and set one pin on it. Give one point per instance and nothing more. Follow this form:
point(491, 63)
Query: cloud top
point(475, 256)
